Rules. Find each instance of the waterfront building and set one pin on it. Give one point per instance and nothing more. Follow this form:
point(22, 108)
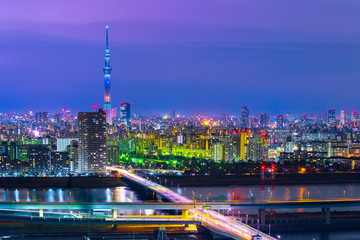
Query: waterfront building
point(60, 163)
point(112, 154)
point(73, 150)
point(39, 159)
point(92, 142)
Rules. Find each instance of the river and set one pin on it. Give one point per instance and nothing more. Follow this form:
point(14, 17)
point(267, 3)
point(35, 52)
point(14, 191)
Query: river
point(252, 193)
point(283, 192)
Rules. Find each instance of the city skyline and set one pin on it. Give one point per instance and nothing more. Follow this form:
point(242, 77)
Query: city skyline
point(166, 59)
point(206, 119)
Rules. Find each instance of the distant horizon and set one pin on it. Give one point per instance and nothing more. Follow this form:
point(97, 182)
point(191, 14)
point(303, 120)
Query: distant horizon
point(203, 56)
point(180, 113)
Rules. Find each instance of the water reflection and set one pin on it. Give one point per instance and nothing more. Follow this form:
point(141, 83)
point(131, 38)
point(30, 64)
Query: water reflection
point(283, 192)
point(118, 194)
point(349, 235)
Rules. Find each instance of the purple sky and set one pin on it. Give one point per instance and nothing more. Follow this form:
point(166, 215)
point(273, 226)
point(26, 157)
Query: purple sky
point(202, 56)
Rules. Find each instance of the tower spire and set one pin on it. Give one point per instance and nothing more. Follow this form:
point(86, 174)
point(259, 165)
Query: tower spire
point(107, 37)
point(107, 71)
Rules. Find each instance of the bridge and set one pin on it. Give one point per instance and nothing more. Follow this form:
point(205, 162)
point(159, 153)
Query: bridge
point(200, 205)
point(66, 219)
point(213, 220)
point(158, 170)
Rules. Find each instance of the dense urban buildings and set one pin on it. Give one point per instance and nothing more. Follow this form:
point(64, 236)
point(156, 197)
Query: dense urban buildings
point(65, 143)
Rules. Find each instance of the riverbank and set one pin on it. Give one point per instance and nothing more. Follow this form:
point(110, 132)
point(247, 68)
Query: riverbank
point(59, 182)
point(280, 179)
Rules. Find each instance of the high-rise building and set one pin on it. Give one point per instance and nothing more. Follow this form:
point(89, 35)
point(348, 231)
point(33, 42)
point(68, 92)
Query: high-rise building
point(113, 113)
point(244, 116)
point(280, 121)
point(343, 117)
point(60, 163)
point(354, 116)
point(73, 150)
point(62, 143)
point(218, 152)
point(112, 154)
point(330, 116)
point(173, 115)
point(241, 142)
point(125, 113)
point(92, 142)
point(264, 118)
point(107, 71)
point(39, 159)
point(256, 149)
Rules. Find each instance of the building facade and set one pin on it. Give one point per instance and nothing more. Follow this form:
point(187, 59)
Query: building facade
point(92, 142)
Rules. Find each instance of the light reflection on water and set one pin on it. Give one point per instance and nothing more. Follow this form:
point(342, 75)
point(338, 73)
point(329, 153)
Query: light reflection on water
point(115, 194)
point(253, 193)
point(349, 235)
point(118, 194)
point(282, 192)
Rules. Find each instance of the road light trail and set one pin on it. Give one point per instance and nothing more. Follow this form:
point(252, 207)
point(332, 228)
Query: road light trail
point(210, 219)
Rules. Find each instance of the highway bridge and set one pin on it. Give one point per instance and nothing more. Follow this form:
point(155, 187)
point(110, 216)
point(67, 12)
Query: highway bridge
point(180, 205)
point(71, 220)
point(213, 220)
point(194, 212)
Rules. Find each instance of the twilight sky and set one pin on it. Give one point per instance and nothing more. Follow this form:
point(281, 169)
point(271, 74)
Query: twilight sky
point(202, 56)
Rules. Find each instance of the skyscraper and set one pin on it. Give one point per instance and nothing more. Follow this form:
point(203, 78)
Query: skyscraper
point(264, 120)
point(343, 117)
point(354, 116)
point(330, 116)
point(125, 113)
point(92, 142)
point(244, 116)
point(241, 142)
point(107, 71)
point(280, 121)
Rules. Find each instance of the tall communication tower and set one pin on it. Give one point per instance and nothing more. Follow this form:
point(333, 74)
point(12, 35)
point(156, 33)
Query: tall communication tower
point(107, 71)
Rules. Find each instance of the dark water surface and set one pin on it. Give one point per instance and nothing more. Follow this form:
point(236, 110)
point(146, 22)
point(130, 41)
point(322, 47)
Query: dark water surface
point(284, 192)
point(250, 193)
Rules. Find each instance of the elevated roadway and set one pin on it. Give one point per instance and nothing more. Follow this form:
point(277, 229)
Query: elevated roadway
point(189, 204)
point(210, 219)
point(126, 220)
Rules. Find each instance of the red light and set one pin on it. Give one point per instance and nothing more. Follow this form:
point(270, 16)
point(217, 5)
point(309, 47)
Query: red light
point(262, 167)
